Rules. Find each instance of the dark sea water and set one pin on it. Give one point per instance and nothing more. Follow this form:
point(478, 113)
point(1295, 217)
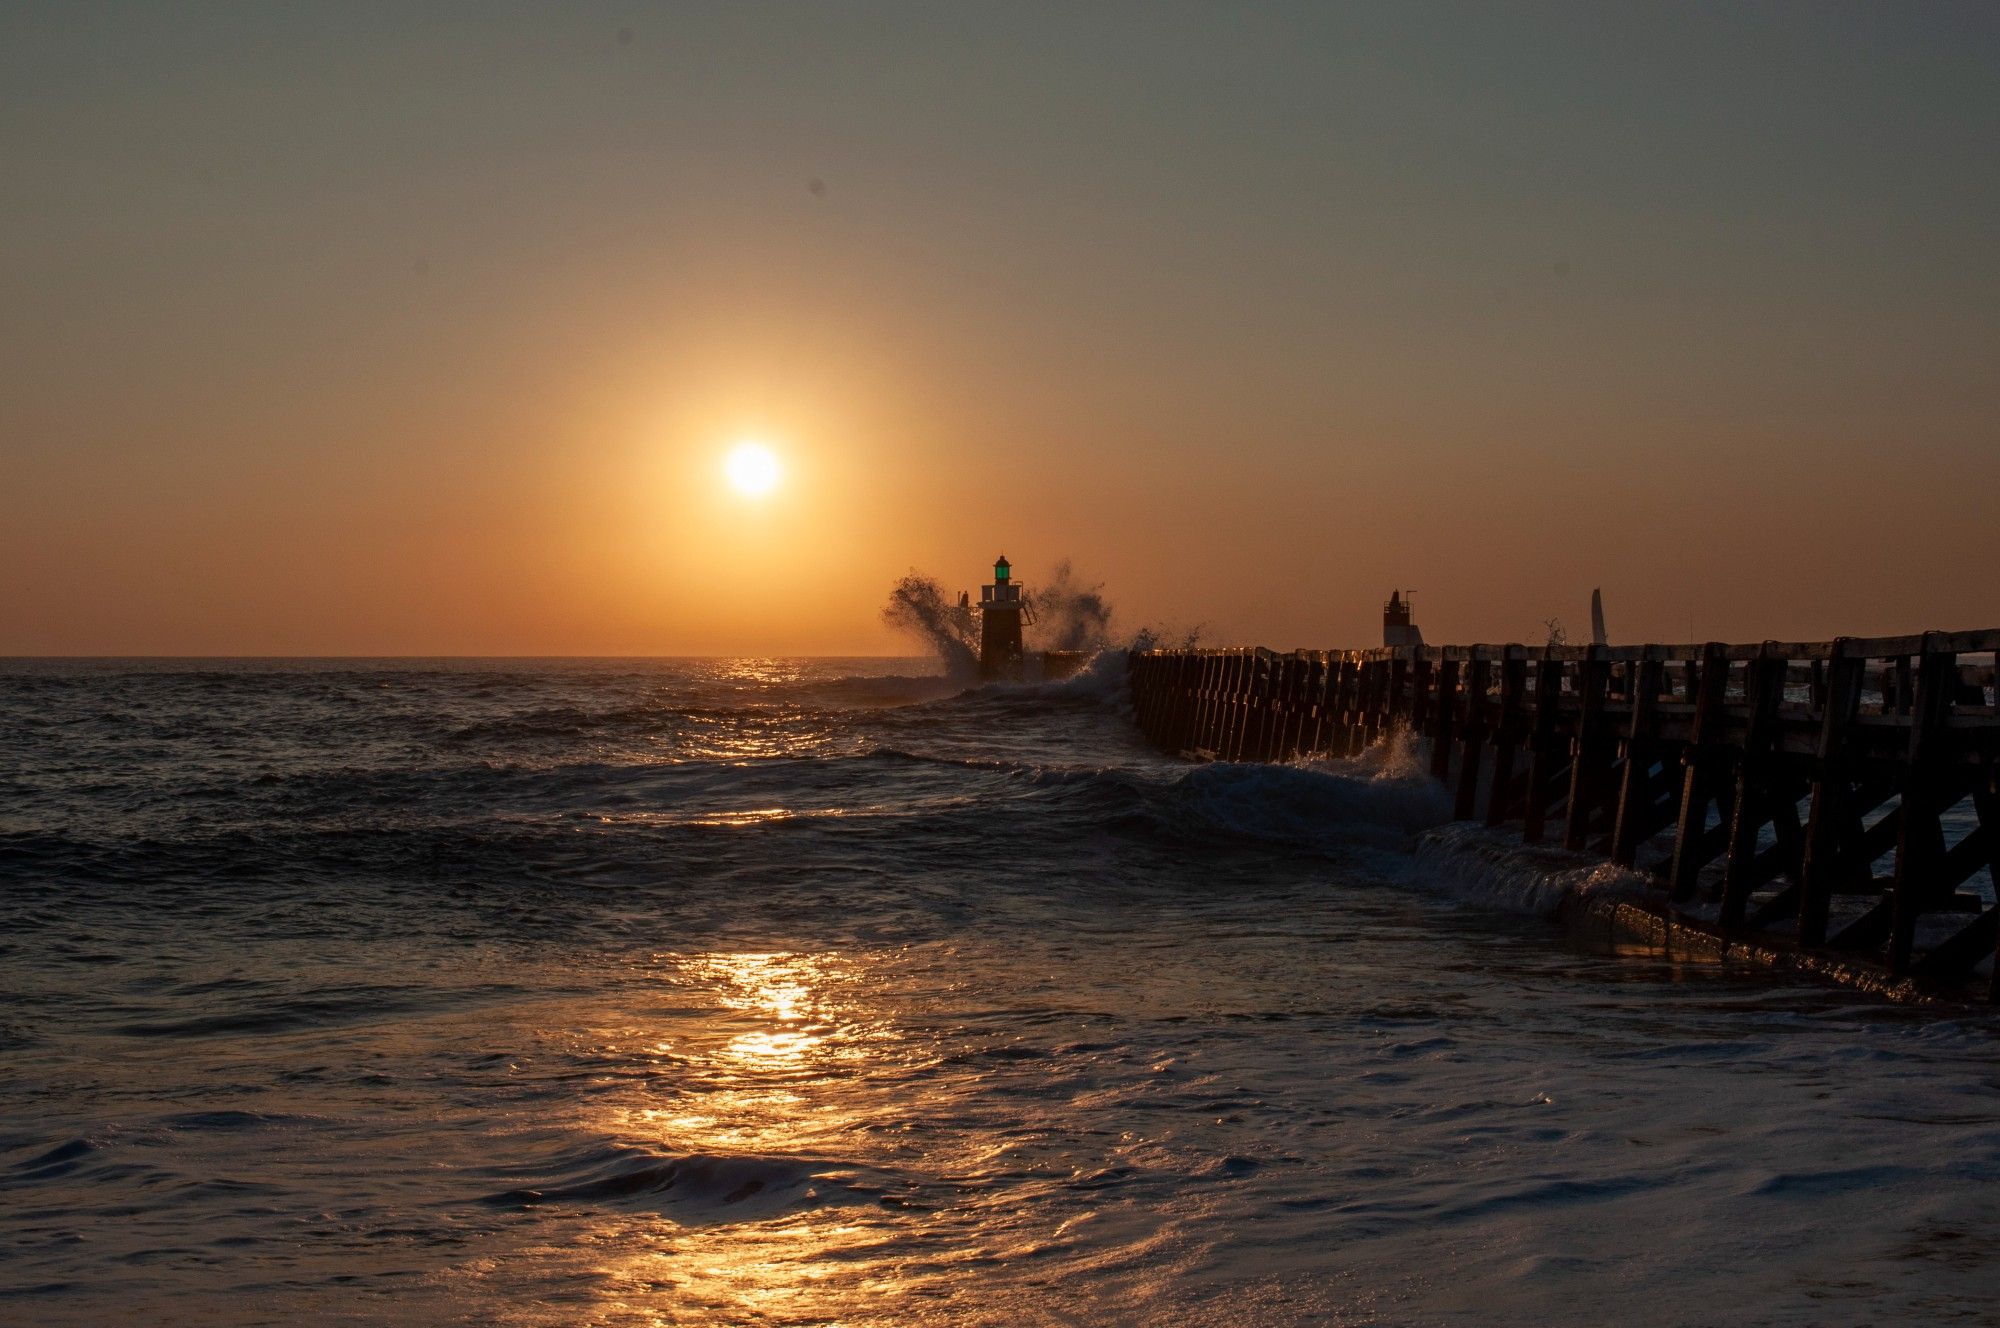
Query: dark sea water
point(817, 992)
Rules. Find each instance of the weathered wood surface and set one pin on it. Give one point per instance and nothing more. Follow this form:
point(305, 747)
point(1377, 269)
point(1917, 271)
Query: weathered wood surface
point(1794, 791)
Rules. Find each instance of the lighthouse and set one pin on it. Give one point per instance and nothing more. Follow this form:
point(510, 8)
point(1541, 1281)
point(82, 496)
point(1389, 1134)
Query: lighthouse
point(1397, 629)
point(1002, 609)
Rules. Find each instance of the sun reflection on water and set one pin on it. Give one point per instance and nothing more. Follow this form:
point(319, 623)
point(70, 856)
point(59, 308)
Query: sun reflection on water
point(760, 1068)
point(781, 993)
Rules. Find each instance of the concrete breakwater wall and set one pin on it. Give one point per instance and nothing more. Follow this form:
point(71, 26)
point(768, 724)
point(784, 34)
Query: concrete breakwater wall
point(1822, 801)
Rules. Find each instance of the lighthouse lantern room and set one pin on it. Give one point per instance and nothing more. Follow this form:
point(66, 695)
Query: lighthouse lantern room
point(1002, 609)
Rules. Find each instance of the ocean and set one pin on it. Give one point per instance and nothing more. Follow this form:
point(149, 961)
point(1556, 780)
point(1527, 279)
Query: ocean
point(622, 992)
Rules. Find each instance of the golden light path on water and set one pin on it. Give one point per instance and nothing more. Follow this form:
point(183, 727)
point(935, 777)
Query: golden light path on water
point(777, 1069)
point(777, 1087)
point(805, 1094)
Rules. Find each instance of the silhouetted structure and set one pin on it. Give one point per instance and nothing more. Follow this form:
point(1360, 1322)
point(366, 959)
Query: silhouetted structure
point(1792, 796)
point(1397, 627)
point(1002, 609)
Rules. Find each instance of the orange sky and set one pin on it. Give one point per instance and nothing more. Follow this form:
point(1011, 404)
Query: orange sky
point(398, 333)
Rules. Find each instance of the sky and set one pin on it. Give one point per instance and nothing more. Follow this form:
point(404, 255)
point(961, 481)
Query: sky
point(425, 329)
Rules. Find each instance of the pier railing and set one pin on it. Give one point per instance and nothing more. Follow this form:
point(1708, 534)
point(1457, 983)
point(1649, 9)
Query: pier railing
point(1833, 796)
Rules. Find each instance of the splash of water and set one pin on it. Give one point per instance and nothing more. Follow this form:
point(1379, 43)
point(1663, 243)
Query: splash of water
point(1069, 614)
point(919, 605)
point(1166, 638)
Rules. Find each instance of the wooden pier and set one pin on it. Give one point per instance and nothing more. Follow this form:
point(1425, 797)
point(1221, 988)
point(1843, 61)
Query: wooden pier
point(1822, 800)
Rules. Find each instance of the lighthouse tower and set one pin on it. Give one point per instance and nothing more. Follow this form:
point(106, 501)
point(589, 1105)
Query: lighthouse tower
point(1397, 629)
point(1001, 612)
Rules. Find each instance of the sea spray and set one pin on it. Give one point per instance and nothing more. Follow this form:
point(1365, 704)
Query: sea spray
point(1166, 638)
point(1069, 615)
point(919, 605)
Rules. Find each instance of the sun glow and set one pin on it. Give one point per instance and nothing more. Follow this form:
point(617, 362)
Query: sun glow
point(753, 469)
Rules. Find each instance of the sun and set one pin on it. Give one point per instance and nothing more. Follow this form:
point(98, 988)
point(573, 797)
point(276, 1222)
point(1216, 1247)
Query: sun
point(753, 469)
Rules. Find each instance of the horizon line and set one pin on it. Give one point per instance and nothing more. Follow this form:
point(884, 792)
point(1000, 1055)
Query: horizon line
point(4, 658)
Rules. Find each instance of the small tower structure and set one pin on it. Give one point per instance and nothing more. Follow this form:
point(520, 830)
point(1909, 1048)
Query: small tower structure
point(1002, 609)
point(1397, 629)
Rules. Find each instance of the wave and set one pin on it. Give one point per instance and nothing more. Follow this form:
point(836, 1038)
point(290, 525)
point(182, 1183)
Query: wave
point(695, 1188)
point(1492, 867)
point(495, 822)
point(1373, 799)
point(1102, 682)
point(1382, 797)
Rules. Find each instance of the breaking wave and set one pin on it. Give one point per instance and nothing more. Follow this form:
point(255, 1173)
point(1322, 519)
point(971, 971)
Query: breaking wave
point(1495, 869)
point(1319, 805)
point(692, 1189)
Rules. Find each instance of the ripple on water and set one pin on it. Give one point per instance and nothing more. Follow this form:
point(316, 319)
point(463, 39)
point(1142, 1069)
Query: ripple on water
point(694, 1189)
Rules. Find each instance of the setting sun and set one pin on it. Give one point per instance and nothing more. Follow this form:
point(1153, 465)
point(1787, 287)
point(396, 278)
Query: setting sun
point(753, 469)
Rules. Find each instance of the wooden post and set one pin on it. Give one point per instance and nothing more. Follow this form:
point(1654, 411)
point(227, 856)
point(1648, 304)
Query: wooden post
point(1443, 719)
point(1375, 702)
point(1284, 705)
point(1306, 670)
point(1396, 703)
point(1285, 682)
point(1822, 872)
point(1239, 705)
point(1765, 689)
point(1356, 683)
point(1369, 719)
point(1336, 704)
point(1323, 687)
point(1635, 792)
point(1543, 757)
point(1220, 688)
point(1587, 748)
point(1200, 736)
point(1507, 730)
point(1194, 669)
point(1920, 840)
point(1196, 732)
point(1702, 758)
point(1301, 708)
point(1421, 669)
point(1246, 705)
point(1478, 677)
point(1263, 699)
point(1149, 678)
point(1986, 800)
point(1225, 703)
